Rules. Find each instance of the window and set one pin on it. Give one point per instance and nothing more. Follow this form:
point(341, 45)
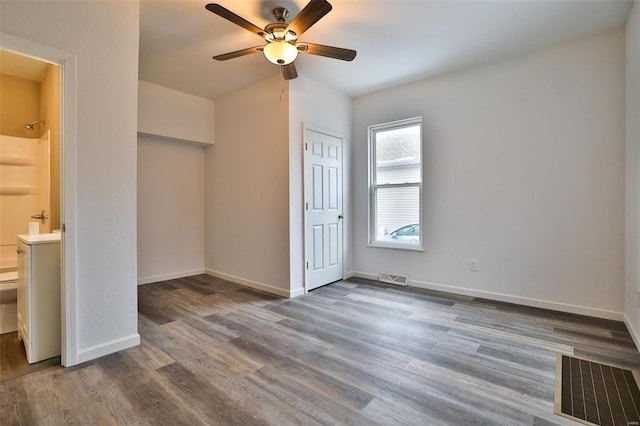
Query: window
point(395, 184)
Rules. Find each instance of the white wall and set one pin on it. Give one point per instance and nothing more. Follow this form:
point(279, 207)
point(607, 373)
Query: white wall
point(174, 115)
point(632, 227)
point(247, 188)
point(101, 34)
point(524, 171)
point(314, 104)
point(170, 209)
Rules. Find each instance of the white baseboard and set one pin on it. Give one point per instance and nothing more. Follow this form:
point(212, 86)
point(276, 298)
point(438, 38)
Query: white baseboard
point(632, 330)
point(172, 276)
point(348, 275)
point(255, 284)
point(296, 292)
point(107, 348)
point(501, 297)
point(365, 275)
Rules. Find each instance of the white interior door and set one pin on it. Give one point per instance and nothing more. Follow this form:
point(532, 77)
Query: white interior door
point(323, 208)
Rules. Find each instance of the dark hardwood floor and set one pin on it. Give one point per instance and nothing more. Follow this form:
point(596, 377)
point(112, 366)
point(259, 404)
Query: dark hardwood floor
point(354, 352)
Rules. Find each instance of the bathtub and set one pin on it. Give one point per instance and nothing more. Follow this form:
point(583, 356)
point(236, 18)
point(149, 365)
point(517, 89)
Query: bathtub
point(8, 301)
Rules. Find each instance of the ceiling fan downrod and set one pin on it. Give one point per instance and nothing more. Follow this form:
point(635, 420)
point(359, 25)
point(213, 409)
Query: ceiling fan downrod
point(280, 13)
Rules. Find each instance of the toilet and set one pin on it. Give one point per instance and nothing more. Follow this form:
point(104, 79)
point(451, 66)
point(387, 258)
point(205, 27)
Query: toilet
point(8, 301)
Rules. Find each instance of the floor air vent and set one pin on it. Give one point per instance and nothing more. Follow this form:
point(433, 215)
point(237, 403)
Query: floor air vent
point(394, 279)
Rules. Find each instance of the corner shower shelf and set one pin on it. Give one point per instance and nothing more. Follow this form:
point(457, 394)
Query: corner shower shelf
point(17, 190)
point(16, 161)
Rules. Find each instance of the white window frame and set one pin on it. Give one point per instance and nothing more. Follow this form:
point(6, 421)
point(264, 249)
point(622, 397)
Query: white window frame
point(373, 187)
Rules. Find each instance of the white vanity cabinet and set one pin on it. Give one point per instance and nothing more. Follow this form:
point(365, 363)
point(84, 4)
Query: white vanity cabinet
point(39, 295)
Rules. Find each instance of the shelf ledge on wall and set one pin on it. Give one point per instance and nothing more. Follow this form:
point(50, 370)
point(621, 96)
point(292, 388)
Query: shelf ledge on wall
point(173, 139)
point(171, 115)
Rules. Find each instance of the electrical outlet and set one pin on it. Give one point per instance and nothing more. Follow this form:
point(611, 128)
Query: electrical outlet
point(473, 265)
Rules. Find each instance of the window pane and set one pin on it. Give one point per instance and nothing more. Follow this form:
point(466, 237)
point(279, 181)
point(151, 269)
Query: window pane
point(398, 155)
point(397, 214)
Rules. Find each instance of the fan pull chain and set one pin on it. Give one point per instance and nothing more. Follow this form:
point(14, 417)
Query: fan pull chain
point(282, 87)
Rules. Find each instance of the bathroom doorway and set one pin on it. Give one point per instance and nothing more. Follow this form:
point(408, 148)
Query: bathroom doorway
point(30, 183)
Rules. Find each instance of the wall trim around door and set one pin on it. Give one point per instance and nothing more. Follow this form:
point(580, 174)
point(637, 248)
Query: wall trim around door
point(68, 148)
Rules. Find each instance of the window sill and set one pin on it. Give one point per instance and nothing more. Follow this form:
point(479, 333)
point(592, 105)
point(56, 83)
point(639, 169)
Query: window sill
point(406, 247)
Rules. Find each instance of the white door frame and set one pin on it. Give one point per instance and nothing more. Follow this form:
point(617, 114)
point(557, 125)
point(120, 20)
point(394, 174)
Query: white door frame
point(305, 176)
point(68, 147)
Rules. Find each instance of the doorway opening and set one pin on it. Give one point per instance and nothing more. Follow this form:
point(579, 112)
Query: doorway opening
point(30, 199)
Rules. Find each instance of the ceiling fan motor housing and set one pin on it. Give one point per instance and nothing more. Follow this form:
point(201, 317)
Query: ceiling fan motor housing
point(278, 31)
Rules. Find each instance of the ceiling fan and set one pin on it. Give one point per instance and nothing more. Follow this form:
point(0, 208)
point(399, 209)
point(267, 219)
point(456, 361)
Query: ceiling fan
point(282, 46)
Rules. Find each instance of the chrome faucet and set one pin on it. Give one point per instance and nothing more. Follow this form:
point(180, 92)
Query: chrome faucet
point(43, 216)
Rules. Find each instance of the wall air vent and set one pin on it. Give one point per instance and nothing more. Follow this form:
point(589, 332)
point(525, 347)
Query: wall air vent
point(393, 279)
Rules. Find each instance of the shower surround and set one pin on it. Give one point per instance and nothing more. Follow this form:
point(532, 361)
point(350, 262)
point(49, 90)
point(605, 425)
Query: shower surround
point(24, 191)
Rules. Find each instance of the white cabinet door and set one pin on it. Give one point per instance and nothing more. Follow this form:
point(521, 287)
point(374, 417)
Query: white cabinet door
point(39, 299)
point(23, 298)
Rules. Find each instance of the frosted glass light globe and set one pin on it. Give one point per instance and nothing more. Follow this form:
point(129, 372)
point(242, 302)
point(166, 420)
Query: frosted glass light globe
point(280, 52)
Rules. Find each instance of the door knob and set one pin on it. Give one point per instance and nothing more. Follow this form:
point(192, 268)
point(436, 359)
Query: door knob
point(340, 216)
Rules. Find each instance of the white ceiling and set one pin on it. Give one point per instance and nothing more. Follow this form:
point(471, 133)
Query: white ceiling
point(397, 41)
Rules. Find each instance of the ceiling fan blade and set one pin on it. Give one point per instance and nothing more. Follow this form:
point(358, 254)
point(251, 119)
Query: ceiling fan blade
point(230, 16)
point(312, 13)
point(289, 71)
point(328, 51)
point(238, 53)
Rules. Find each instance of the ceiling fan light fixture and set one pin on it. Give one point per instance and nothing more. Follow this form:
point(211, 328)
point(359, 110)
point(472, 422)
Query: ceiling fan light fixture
point(281, 38)
point(280, 52)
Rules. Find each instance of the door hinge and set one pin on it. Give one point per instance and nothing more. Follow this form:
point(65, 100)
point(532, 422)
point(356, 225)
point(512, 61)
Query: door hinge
point(307, 265)
point(64, 227)
point(306, 146)
point(306, 206)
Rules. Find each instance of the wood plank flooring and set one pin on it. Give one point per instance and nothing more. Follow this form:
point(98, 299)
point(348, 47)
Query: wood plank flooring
point(13, 358)
point(354, 352)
